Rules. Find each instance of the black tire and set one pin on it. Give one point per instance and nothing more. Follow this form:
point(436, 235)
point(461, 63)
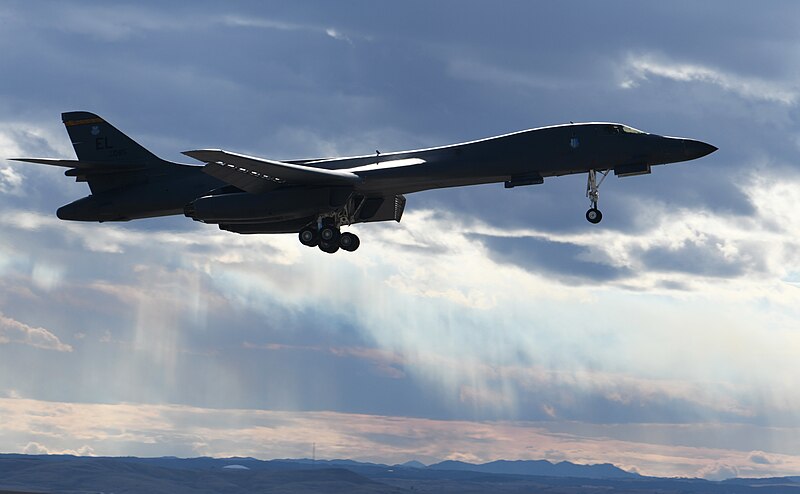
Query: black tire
point(329, 234)
point(329, 247)
point(594, 215)
point(349, 241)
point(309, 236)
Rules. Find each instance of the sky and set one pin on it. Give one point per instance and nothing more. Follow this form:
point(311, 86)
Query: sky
point(490, 323)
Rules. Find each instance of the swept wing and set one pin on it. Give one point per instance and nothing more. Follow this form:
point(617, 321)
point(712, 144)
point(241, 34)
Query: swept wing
point(257, 175)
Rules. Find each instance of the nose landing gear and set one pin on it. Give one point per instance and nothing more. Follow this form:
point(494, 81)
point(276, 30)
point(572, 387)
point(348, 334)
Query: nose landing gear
point(593, 215)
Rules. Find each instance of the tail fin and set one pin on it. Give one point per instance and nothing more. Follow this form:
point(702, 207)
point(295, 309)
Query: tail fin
point(107, 158)
point(97, 141)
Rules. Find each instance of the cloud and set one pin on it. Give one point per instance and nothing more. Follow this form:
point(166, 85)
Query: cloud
point(718, 471)
point(10, 181)
point(684, 248)
point(34, 448)
point(40, 427)
point(279, 25)
point(17, 139)
point(172, 305)
point(569, 262)
point(762, 458)
point(640, 68)
point(12, 331)
point(261, 23)
point(333, 33)
point(384, 362)
point(703, 256)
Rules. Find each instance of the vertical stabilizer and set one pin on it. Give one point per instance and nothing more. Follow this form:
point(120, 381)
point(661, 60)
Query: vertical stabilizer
point(97, 141)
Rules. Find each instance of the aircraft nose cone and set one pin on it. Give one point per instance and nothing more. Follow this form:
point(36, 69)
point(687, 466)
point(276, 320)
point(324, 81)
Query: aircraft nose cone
point(697, 149)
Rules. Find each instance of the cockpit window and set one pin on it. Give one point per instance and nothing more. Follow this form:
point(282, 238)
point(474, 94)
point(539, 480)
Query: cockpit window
point(621, 129)
point(631, 130)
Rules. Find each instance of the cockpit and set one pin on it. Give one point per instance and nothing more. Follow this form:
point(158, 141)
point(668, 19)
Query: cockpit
point(621, 129)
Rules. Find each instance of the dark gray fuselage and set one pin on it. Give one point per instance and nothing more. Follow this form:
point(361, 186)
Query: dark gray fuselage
point(521, 157)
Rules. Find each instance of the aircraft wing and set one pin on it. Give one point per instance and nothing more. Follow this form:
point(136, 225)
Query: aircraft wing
point(256, 175)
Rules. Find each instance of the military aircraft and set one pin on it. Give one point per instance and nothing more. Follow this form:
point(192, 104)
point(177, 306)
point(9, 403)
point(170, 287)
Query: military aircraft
point(314, 198)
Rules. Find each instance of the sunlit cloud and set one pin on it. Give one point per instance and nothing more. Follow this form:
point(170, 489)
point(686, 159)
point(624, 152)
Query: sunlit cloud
point(279, 25)
point(34, 448)
point(38, 427)
point(12, 331)
point(335, 34)
point(639, 68)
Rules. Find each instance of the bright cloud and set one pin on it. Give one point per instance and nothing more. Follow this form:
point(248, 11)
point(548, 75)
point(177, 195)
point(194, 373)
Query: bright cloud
point(12, 331)
point(639, 68)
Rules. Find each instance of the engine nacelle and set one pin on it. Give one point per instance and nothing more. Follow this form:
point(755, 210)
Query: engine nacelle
point(243, 207)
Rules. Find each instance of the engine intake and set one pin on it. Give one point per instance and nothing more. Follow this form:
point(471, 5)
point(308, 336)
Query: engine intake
point(632, 170)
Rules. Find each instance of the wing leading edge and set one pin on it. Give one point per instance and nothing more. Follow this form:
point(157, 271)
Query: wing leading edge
point(256, 175)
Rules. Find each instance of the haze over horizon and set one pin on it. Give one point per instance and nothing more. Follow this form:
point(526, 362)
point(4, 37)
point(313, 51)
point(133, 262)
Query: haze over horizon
point(489, 324)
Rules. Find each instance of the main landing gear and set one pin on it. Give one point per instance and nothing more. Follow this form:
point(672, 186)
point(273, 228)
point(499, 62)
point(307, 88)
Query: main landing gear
point(593, 193)
point(328, 237)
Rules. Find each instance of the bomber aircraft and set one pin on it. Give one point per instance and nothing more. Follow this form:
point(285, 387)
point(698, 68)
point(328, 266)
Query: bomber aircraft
point(314, 198)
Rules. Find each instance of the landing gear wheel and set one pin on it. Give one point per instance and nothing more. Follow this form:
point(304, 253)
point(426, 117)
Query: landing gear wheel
point(594, 215)
point(329, 247)
point(329, 234)
point(349, 241)
point(309, 236)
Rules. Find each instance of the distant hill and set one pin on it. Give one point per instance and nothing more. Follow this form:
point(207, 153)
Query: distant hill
point(129, 475)
point(134, 476)
point(540, 468)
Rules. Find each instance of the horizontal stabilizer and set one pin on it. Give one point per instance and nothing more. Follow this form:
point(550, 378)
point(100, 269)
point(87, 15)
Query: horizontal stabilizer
point(257, 175)
point(81, 164)
point(100, 176)
point(51, 162)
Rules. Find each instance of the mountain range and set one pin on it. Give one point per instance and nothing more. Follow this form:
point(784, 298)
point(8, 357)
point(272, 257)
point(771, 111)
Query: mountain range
point(130, 475)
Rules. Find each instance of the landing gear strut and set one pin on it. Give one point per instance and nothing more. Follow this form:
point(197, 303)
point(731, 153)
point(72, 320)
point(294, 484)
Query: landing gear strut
point(324, 232)
point(593, 193)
